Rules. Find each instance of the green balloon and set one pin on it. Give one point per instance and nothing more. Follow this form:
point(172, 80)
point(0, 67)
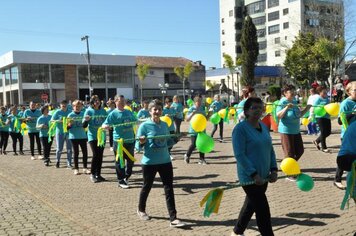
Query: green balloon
point(135, 114)
point(204, 143)
point(319, 111)
point(305, 182)
point(215, 118)
point(190, 102)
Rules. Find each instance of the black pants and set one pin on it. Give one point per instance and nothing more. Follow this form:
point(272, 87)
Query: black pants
point(15, 137)
point(177, 122)
point(46, 148)
point(111, 137)
point(192, 147)
point(4, 137)
point(325, 130)
point(121, 171)
point(97, 160)
point(339, 173)
point(32, 143)
point(345, 162)
point(83, 146)
point(165, 171)
point(221, 127)
point(255, 202)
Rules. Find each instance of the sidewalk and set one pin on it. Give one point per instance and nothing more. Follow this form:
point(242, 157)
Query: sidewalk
point(39, 200)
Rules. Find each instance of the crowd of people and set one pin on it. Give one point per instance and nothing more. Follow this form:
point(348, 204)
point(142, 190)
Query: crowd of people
point(129, 132)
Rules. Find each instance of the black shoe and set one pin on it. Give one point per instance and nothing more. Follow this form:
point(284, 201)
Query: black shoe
point(4, 152)
point(15, 154)
point(69, 166)
point(94, 179)
point(123, 184)
point(57, 164)
point(46, 163)
point(21, 153)
point(100, 178)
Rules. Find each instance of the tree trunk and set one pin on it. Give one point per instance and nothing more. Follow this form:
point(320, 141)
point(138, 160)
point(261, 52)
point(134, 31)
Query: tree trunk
point(184, 91)
point(232, 86)
point(141, 92)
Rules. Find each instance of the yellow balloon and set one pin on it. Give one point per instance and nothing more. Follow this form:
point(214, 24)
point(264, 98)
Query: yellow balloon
point(185, 110)
point(232, 111)
point(332, 109)
point(198, 122)
point(209, 100)
point(290, 166)
point(305, 121)
point(167, 120)
point(269, 108)
point(222, 113)
point(127, 108)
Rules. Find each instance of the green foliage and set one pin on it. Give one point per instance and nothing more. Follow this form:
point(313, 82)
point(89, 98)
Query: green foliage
point(249, 46)
point(303, 63)
point(179, 71)
point(188, 69)
point(142, 71)
point(275, 91)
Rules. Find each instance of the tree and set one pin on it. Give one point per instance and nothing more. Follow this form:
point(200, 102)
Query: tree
point(142, 71)
point(331, 51)
point(303, 63)
point(229, 63)
point(249, 46)
point(184, 73)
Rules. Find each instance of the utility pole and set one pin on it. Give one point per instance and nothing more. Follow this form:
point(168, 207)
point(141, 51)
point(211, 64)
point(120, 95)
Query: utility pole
point(86, 38)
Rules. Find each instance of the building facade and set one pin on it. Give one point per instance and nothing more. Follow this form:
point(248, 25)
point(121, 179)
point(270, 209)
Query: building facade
point(278, 23)
point(52, 77)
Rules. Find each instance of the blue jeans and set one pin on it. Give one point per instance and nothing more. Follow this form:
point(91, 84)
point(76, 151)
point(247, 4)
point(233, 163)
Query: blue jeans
point(60, 138)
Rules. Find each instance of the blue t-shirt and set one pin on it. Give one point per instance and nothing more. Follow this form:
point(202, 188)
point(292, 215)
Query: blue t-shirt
point(216, 106)
point(348, 146)
point(155, 150)
point(240, 107)
point(348, 105)
point(253, 151)
point(32, 115)
point(322, 102)
point(109, 110)
point(44, 120)
point(118, 117)
point(143, 114)
point(76, 130)
point(58, 117)
point(200, 110)
point(97, 117)
point(178, 107)
point(12, 119)
point(3, 125)
point(170, 112)
point(289, 124)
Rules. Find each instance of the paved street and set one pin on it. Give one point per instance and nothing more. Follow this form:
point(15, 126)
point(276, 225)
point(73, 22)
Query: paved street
point(39, 200)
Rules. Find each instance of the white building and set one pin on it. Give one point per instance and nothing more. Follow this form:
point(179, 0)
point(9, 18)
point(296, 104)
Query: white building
point(278, 22)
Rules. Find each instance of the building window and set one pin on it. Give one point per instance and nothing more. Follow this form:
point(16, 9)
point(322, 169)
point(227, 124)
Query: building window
point(285, 25)
point(285, 11)
point(97, 74)
point(152, 72)
point(262, 45)
point(256, 7)
point(277, 53)
point(273, 16)
point(273, 29)
point(57, 73)
point(223, 32)
point(273, 3)
point(238, 25)
point(231, 13)
point(238, 49)
point(285, 37)
point(222, 20)
point(259, 20)
point(35, 73)
point(119, 74)
point(238, 12)
point(313, 22)
point(262, 57)
point(223, 43)
point(14, 75)
point(261, 33)
point(292, 0)
point(7, 76)
point(277, 40)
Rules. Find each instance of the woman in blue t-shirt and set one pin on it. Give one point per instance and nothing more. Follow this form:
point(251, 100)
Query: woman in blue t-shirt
point(43, 126)
point(4, 130)
point(156, 159)
point(15, 131)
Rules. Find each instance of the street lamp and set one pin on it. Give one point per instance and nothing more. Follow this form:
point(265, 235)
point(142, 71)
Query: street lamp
point(86, 38)
point(163, 88)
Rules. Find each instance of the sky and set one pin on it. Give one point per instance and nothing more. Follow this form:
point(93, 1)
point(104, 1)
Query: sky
point(174, 28)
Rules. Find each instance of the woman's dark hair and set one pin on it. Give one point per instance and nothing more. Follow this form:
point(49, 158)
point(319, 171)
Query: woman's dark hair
point(288, 87)
point(155, 103)
point(320, 88)
point(44, 108)
point(93, 99)
point(247, 90)
point(249, 102)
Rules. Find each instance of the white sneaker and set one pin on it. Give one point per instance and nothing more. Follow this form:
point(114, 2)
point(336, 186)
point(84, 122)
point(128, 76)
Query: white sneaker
point(172, 158)
point(76, 172)
point(33, 158)
point(177, 223)
point(291, 178)
point(86, 171)
point(112, 149)
point(186, 159)
point(40, 157)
